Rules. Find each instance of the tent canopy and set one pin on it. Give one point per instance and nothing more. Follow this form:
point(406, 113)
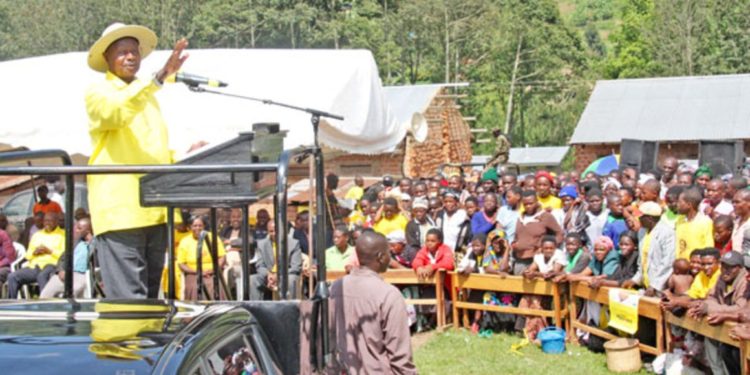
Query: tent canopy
point(43, 99)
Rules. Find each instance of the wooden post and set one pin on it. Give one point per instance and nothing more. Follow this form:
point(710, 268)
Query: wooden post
point(556, 302)
point(454, 296)
point(573, 312)
point(660, 334)
point(440, 296)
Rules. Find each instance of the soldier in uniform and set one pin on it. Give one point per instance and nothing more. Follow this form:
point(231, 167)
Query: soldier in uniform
point(502, 150)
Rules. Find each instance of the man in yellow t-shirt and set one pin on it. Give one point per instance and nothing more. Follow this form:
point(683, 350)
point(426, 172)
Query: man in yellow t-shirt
point(703, 283)
point(693, 230)
point(707, 277)
point(126, 127)
point(45, 248)
point(357, 191)
point(390, 218)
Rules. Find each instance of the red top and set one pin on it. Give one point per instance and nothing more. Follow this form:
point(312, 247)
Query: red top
point(442, 259)
point(727, 248)
point(50, 206)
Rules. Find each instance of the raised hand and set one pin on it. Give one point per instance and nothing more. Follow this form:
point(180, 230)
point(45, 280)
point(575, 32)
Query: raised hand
point(175, 60)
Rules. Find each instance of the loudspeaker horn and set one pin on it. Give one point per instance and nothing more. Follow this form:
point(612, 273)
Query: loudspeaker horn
point(419, 129)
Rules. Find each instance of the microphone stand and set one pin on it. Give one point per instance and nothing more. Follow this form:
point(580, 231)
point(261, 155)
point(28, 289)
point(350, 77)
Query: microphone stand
point(321, 291)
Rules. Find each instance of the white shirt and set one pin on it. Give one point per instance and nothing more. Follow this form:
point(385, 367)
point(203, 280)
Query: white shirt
point(451, 227)
point(723, 208)
point(596, 225)
point(467, 262)
point(557, 258)
point(741, 236)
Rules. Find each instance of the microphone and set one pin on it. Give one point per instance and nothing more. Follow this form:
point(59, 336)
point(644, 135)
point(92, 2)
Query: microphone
point(195, 80)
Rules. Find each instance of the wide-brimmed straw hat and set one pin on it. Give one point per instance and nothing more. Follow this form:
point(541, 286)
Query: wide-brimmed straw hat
point(146, 41)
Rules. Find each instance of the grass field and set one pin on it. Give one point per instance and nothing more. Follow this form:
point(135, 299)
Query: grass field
point(460, 352)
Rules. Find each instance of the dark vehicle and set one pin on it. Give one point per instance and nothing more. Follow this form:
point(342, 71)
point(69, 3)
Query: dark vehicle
point(21, 204)
point(147, 337)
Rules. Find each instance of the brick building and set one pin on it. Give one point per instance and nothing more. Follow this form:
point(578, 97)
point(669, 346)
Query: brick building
point(448, 136)
point(675, 111)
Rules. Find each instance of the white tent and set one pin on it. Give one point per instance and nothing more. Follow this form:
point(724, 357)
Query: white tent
point(43, 99)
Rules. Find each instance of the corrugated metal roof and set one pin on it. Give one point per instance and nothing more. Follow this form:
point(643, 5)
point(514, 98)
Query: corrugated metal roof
point(667, 109)
point(531, 156)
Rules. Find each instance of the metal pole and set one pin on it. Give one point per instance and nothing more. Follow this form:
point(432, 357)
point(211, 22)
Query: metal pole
point(245, 233)
point(319, 243)
point(281, 224)
point(135, 169)
point(214, 254)
point(172, 293)
point(199, 266)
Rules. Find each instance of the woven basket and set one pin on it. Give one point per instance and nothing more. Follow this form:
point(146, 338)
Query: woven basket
point(623, 355)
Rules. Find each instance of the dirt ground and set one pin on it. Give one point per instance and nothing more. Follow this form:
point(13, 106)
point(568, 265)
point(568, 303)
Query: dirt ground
point(419, 339)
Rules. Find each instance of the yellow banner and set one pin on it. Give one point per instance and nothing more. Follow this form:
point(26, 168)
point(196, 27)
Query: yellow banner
point(623, 310)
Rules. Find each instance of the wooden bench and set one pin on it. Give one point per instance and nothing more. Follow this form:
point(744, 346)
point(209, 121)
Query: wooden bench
point(717, 332)
point(405, 277)
point(647, 307)
point(507, 284)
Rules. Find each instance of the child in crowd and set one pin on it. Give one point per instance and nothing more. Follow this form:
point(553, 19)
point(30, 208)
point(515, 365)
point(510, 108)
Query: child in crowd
point(681, 279)
point(497, 257)
point(472, 263)
point(723, 227)
point(549, 262)
point(435, 255)
point(471, 206)
point(496, 261)
point(577, 257)
point(616, 221)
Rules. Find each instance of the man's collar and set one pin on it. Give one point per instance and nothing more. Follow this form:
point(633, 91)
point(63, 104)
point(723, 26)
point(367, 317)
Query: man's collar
point(117, 81)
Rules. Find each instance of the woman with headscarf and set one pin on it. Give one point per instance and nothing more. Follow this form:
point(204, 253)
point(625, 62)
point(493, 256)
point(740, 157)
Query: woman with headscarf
point(702, 176)
point(604, 263)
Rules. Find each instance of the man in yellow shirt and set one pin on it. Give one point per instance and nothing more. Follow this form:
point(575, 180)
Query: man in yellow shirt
point(390, 219)
point(126, 127)
point(45, 248)
point(693, 230)
point(704, 281)
point(357, 191)
point(709, 275)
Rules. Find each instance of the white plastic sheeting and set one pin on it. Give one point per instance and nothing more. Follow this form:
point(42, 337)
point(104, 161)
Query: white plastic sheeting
point(43, 99)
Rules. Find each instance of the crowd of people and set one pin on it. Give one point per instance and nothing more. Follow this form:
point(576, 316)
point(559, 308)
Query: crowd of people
point(677, 234)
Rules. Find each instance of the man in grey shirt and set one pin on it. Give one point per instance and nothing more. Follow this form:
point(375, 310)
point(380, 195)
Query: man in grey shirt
point(659, 236)
point(369, 316)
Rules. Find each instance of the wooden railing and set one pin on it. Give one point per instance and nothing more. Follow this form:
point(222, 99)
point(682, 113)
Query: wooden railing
point(406, 277)
point(563, 310)
point(647, 307)
point(719, 332)
point(507, 284)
